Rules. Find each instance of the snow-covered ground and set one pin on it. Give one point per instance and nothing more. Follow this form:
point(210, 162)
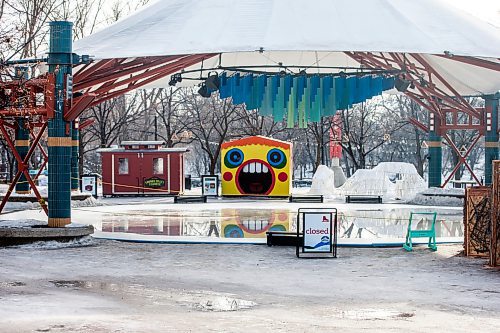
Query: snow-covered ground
point(123, 287)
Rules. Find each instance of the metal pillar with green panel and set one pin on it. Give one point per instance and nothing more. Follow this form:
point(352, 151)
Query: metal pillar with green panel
point(491, 135)
point(75, 177)
point(60, 140)
point(435, 152)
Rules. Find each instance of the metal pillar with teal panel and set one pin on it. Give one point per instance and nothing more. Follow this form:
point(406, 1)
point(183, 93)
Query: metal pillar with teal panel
point(22, 146)
point(435, 152)
point(22, 137)
point(491, 135)
point(60, 141)
point(75, 178)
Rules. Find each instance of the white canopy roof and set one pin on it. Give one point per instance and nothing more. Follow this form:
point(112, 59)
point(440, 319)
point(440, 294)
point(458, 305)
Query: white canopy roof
point(305, 33)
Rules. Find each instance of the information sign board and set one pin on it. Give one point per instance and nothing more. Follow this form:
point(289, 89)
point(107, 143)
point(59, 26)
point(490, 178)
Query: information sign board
point(210, 185)
point(89, 185)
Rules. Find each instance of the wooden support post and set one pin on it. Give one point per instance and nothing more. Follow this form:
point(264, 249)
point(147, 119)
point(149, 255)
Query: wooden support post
point(495, 217)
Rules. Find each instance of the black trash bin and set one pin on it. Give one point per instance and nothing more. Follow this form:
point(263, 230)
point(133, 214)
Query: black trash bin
point(187, 182)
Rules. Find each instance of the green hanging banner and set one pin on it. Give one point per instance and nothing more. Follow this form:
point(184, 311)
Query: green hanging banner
point(290, 123)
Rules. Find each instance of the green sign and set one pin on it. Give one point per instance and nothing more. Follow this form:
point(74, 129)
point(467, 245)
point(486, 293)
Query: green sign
point(154, 182)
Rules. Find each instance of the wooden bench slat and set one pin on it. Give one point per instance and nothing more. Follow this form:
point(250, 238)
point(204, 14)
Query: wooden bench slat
point(190, 198)
point(363, 198)
point(306, 198)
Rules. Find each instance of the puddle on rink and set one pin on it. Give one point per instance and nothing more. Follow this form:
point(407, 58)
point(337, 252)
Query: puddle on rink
point(199, 300)
point(233, 225)
point(207, 301)
point(371, 314)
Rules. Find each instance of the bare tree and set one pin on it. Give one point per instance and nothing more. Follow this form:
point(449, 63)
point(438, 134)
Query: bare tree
point(210, 121)
point(29, 19)
point(111, 119)
point(407, 144)
point(169, 112)
point(255, 124)
point(366, 127)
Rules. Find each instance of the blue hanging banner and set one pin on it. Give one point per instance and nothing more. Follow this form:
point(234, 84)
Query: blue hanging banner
point(236, 92)
point(279, 103)
point(351, 83)
point(247, 82)
point(329, 107)
point(224, 88)
point(266, 108)
point(259, 84)
point(291, 109)
point(376, 85)
point(316, 97)
point(388, 83)
point(301, 84)
point(340, 100)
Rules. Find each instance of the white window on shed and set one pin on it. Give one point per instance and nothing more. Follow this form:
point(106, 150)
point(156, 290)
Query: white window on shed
point(123, 166)
point(158, 165)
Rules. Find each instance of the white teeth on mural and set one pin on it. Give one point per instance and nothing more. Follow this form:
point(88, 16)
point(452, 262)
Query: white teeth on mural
point(255, 224)
point(255, 167)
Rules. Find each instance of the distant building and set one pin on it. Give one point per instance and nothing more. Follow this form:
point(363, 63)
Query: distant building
point(142, 168)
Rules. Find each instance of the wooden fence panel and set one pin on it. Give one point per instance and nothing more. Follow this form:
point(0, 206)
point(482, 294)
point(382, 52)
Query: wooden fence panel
point(477, 221)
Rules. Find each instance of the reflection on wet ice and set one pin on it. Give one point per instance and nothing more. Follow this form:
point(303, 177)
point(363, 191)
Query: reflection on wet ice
point(232, 223)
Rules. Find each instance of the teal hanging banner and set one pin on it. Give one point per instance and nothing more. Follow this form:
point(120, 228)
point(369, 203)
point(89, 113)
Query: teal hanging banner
point(300, 99)
point(279, 103)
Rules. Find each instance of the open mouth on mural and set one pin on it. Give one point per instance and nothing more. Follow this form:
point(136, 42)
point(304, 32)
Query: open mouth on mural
point(255, 178)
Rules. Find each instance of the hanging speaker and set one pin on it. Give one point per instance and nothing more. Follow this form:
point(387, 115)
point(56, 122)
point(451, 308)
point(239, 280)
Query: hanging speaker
point(401, 84)
point(212, 82)
point(204, 91)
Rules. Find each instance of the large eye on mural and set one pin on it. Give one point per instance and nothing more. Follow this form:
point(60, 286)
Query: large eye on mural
point(276, 158)
point(233, 158)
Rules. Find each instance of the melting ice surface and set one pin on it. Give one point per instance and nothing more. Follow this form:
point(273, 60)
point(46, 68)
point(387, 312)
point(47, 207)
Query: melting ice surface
point(247, 225)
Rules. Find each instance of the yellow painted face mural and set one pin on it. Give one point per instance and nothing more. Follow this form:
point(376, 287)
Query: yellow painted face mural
point(256, 165)
point(249, 224)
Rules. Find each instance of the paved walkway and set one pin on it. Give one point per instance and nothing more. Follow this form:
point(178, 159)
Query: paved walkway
point(125, 287)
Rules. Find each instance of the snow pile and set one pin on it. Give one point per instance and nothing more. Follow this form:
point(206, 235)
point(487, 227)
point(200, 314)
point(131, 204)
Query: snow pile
point(365, 181)
point(89, 202)
point(21, 223)
point(437, 196)
point(323, 181)
point(377, 181)
point(395, 167)
point(9, 206)
point(43, 180)
point(43, 190)
point(53, 245)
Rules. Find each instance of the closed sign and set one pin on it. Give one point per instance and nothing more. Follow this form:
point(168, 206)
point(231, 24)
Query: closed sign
point(317, 232)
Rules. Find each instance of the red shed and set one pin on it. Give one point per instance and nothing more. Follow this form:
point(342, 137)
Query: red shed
point(142, 167)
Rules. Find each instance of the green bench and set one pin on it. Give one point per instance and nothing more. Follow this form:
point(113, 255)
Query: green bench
point(423, 233)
